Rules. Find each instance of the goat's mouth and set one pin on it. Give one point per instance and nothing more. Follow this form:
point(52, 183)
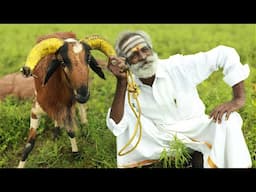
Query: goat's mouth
point(82, 95)
point(81, 98)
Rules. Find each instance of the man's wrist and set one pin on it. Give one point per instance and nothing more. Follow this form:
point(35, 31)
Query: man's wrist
point(122, 82)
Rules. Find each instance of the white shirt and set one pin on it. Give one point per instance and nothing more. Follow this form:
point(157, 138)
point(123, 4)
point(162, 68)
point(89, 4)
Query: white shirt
point(173, 100)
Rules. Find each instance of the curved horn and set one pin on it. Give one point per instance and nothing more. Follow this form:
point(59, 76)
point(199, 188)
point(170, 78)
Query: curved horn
point(99, 43)
point(42, 49)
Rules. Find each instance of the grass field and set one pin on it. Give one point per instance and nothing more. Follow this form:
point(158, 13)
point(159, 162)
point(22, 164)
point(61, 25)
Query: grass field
point(96, 142)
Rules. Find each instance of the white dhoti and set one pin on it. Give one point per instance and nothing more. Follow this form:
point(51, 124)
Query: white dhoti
point(222, 145)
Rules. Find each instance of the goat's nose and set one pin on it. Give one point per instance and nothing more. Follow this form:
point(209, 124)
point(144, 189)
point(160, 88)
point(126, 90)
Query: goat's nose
point(82, 94)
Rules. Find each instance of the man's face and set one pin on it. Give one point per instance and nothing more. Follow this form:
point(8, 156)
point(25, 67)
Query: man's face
point(142, 61)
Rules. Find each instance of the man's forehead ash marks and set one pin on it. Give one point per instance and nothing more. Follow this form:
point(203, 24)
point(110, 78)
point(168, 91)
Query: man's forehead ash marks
point(131, 43)
point(136, 48)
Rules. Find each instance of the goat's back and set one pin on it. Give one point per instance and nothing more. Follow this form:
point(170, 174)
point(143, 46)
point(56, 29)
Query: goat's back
point(59, 35)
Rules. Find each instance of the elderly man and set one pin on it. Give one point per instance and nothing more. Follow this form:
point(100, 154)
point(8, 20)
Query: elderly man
point(170, 104)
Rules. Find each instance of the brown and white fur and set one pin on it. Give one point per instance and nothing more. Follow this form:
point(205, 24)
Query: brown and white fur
point(67, 85)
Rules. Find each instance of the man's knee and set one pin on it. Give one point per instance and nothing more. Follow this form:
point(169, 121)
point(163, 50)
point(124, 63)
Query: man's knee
point(234, 118)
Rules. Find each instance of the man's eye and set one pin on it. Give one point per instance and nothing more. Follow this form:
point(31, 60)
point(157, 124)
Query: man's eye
point(133, 56)
point(144, 49)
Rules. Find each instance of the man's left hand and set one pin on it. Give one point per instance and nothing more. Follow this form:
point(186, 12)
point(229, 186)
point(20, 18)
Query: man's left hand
point(227, 108)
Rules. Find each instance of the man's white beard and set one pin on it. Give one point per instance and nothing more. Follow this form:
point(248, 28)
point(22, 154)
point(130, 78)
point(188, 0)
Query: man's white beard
point(145, 69)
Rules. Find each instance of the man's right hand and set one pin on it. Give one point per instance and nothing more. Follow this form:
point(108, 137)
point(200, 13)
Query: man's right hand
point(26, 71)
point(118, 67)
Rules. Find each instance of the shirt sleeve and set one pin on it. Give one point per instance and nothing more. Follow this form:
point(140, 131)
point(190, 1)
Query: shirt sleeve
point(116, 128)
point(198, 67)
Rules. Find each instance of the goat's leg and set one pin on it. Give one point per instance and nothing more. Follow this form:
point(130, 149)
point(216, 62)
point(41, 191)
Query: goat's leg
point(72, 139)
point(82, 114)
point(82, 109)
point(34, 123)
point(56, 130)
point(75, 152)
point(69, 124)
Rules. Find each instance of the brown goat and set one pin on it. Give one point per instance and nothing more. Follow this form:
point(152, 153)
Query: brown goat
point(61, 79)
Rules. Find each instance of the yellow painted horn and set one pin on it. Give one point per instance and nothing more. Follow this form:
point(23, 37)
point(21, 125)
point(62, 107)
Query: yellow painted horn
point(99, 43)
point(42, 49)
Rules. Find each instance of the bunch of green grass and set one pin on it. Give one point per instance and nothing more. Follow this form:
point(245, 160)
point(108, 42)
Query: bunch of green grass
point(177, 156)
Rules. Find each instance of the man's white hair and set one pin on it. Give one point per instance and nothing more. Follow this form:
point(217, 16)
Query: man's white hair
point(127, 35)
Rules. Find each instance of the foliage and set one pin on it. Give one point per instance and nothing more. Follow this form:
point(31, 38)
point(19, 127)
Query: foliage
point(177, 155)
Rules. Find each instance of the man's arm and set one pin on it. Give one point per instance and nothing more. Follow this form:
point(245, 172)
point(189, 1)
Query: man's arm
point(235, 104)
point(200, 66)
point(117, 108)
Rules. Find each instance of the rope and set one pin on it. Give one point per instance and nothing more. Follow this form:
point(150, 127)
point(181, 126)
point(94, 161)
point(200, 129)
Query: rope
point(134, 91)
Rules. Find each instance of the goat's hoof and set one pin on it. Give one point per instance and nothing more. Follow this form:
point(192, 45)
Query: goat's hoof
point(77, 155)
point(21, 164)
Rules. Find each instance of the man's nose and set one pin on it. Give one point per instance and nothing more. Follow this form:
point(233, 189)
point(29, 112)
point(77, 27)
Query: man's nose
point(142, 55)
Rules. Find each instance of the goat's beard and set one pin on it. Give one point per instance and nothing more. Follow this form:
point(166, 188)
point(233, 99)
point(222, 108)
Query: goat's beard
point(146, 68)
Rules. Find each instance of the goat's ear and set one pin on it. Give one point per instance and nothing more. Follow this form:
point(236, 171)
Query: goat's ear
point(51, 69)
point(92, 61)
point(95, 67)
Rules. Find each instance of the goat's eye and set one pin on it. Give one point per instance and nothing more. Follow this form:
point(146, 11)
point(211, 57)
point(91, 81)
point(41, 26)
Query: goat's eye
point(62, 63)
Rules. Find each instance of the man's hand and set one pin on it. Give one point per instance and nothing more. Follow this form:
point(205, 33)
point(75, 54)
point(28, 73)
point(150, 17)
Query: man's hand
point(26, 71)
point(227, 108)
point(118, 67)
point(237, 102)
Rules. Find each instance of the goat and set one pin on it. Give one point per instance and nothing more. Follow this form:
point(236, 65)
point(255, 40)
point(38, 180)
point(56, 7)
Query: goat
point(59, 64)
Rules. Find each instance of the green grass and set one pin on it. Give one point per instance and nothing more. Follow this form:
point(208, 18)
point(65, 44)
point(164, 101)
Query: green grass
point(96, 143)
point(177, 155)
